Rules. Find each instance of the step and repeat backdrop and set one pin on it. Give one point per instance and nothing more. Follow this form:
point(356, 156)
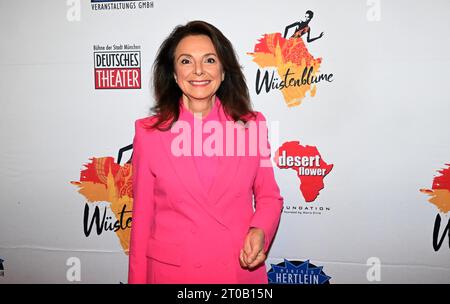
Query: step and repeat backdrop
point(356, 98)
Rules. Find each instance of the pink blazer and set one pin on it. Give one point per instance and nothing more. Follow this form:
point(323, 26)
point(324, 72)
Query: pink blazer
point(181, 233)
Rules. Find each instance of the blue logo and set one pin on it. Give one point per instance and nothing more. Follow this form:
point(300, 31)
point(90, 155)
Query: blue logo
point(297, 272)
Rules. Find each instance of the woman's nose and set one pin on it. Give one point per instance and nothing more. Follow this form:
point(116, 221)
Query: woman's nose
point(198, 69)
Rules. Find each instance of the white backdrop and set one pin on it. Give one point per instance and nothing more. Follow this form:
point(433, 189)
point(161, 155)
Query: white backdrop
point(383, 122)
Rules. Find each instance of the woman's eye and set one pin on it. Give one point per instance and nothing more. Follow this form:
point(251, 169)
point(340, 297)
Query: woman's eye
point(210, 60)
point(184, 61)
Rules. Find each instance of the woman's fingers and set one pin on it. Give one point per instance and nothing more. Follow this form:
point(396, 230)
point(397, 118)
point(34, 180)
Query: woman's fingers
point(260, 258)
point(255, 259)
point(242, 259)
point(252, 254)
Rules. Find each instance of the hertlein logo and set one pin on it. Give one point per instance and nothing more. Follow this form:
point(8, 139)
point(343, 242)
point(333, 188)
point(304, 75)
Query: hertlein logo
point(117, 66)
point(102, 5)
point(440, 197)
point(311, 170)
point(297, 70)
point(297, 272)
point(104, 181)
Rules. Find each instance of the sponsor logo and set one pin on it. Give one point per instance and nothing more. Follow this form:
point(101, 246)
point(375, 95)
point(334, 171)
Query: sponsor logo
point(2, 269)
point(108, 5)
point(297, 272)
point(117, 66)
point(307, 163)
point(440, 198)
point(285, 63)
point(311, 169)
point(107, 188)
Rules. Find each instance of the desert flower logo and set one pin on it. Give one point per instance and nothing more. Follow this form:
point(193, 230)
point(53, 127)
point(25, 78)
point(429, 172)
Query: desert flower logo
point(308, 165)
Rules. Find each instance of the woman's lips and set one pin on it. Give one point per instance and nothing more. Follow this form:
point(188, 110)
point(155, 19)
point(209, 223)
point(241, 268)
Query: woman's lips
point(199, 83)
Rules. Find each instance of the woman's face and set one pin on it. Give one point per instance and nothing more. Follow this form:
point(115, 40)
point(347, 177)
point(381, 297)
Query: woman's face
point(198, 71)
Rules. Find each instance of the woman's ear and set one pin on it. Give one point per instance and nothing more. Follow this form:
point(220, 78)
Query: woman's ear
point(175, 77)
point(223, 76)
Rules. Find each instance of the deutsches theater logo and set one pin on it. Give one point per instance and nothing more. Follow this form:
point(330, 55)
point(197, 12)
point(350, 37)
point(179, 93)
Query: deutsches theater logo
point(117, 66)
point(285, 63)
point(297, 273)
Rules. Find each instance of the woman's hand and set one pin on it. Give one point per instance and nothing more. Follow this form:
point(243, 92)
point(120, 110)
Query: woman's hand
point(253, 254)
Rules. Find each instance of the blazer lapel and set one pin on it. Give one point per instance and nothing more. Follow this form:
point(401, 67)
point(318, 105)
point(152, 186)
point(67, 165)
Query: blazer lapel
point(228, 165)
point(226, 174)
point(185, 169)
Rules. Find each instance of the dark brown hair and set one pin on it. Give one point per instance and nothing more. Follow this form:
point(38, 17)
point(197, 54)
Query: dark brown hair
point(233, 91)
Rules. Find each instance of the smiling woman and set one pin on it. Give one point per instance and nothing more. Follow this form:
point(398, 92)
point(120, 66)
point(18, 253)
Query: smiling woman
point(205, 50)
point(193, 219)
point(198, 72)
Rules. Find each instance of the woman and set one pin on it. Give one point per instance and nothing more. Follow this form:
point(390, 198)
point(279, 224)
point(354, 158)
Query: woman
point(193, 217)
